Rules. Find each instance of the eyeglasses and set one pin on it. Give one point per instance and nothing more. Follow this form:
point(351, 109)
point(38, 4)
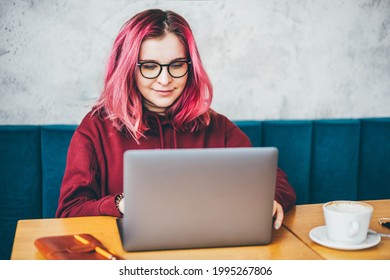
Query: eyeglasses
point(151, 70)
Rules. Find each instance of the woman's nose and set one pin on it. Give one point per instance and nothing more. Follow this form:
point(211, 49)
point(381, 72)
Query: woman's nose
point(164, 78)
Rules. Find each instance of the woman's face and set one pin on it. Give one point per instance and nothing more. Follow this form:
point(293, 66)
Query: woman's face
point(162, 91)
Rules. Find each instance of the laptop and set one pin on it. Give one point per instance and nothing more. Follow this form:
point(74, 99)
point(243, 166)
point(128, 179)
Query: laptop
point(198, 198)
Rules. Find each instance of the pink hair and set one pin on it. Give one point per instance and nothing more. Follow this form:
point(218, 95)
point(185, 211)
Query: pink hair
point(121, 100)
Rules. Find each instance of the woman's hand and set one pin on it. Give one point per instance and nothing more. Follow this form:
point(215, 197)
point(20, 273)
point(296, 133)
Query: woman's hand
point(278, 213)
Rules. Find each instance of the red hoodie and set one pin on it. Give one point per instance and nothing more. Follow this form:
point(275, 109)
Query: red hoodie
point(94, 166)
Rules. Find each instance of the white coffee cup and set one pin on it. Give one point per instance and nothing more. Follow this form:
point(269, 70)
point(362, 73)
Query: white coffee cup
point(347, 221)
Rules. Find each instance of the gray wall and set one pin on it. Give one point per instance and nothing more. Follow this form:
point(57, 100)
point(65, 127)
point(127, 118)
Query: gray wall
point(270, 59)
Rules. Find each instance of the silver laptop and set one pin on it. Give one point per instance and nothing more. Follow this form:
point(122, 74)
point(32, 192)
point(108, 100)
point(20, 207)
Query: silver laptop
point(198, 198)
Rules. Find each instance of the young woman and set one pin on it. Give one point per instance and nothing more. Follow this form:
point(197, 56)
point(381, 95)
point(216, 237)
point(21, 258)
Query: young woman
point(156, 95)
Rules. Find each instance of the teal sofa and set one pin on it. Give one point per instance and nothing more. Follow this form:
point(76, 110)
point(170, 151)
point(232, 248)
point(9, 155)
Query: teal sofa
point(324, 160)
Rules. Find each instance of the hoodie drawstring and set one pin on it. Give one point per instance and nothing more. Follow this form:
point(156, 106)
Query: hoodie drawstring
point(160, 132)
point(162, 143)
point(174, 138)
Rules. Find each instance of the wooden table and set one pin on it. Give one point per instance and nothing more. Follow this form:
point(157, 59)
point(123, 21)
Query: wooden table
point(284, 246)
point(303, 218)
point(290, 242)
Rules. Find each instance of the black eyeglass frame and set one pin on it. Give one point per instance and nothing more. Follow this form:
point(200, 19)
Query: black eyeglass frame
point(139, 64)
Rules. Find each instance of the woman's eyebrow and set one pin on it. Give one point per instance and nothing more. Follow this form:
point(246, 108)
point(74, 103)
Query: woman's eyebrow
point(153, 60)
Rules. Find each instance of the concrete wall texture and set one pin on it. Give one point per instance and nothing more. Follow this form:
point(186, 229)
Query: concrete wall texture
point(269, 59)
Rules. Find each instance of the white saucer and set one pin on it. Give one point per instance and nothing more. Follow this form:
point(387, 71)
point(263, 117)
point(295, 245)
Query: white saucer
point(320, 236)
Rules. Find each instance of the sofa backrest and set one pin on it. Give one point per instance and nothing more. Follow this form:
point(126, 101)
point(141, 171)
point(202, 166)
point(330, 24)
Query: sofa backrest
point(55, 140)
point(330, 159)
point(20, 180)
point(324, 160)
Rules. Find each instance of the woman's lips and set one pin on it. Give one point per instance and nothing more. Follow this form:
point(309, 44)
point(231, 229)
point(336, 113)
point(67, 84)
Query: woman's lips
point(164, 92)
